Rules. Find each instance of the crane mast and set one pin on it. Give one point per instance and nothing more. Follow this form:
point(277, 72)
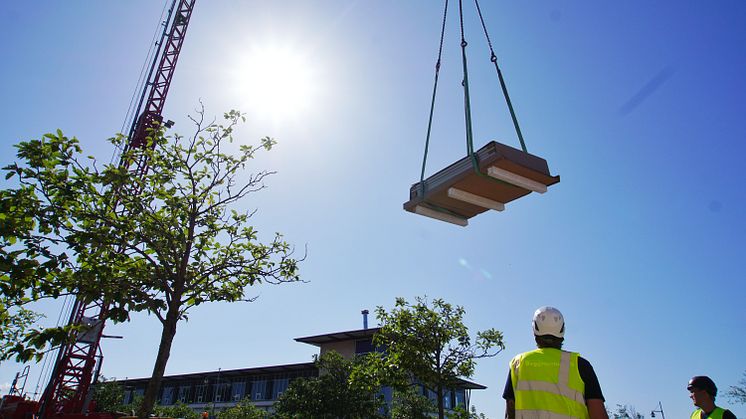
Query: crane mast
point(67, 393)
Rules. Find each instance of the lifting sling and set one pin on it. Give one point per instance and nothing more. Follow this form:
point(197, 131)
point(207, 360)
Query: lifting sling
point(486, 179)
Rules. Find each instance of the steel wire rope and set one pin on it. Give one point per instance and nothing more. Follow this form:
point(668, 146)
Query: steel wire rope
point(465, 84)
point(467, 105)
point(46, 372)
point(430, 119)
point(503, 86)
point(467, 109)
point(432, 101)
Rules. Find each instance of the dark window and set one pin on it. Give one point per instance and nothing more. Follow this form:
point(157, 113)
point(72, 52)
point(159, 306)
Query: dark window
point(200, 396)
point(269, 389)
point(363, 346)
point(448, 399)
point(167, 398)
point(127, 397)
point(238, 390)
point(460, 397)
point(221, 392)
point(258, 390)
point(184, 395)
point(281, 384)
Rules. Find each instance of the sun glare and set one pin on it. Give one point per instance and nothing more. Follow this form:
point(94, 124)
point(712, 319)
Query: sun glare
point(275, 82)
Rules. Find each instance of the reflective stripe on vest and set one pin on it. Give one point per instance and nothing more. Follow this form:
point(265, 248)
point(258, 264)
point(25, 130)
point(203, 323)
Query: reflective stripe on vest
point(717, 413)
point(547, 385)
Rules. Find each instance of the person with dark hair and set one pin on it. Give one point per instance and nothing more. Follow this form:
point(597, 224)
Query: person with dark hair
point(702, 391)
point(549, 383)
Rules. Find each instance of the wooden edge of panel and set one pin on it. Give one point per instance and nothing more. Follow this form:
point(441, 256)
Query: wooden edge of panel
point(517, 180)
point(442, 216)
point(474, 199)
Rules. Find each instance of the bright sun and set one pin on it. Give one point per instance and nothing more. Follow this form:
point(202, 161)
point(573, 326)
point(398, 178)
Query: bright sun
point(275, 82)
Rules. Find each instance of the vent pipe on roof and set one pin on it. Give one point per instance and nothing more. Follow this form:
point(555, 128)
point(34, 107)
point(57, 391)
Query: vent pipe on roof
point(365, 318)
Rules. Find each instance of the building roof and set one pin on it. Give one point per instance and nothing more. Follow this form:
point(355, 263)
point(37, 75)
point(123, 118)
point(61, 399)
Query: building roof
point(273, 369)
point(319, 340)
point(471, 385)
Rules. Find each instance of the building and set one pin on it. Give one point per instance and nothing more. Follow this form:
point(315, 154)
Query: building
point(213, 391)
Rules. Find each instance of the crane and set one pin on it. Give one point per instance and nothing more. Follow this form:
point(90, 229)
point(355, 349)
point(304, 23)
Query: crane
point(68, 395)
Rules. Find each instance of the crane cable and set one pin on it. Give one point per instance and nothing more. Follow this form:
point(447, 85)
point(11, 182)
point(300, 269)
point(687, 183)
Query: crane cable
point(435, 90)
point(504, 88)
point(467, 99)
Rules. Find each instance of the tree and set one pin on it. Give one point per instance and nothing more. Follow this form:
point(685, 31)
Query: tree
point(34, 244)
point(162, 241)
point(408, 404)
point(737, 393)
point(624, 411)
point(109, 395)
point(335, 394)
point(244, 409)
point(460, 412)
point(178, 410)
point(15, 323)
point(433, 344)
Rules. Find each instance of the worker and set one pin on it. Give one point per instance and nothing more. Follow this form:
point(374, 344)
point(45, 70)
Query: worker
point(702, 391)
point(549, 382)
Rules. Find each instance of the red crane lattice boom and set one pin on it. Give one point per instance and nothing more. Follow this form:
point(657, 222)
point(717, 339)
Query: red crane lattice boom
point(68, 392)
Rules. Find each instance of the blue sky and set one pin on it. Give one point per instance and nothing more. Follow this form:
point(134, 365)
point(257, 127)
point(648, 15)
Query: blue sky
point(638, 106)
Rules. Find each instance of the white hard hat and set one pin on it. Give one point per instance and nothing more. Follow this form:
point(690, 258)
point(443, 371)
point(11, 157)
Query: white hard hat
point(549, 321)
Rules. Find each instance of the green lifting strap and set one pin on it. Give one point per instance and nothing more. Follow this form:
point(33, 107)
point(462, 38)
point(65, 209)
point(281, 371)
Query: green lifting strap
point(504, 88)
point(467, 103)
point(435, 90)
point(467, 100)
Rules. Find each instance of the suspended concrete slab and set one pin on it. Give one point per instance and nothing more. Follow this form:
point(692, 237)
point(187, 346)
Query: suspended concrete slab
point(458, 192)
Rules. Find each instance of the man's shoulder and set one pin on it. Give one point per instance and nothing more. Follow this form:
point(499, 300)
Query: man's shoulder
point(583, 360)
point(727, 414)
point(520, 355)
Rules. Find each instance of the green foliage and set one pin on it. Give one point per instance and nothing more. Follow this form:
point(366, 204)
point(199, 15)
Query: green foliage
point(33, 259)
point(109, 396)
point(624, 411)
point(178, 410)
point(433, 344)
point(334, 394)
point(244, 409)
point(737, 393)
point(408, 404)
point(461, 413)
point(15, 323)
point(162, 240)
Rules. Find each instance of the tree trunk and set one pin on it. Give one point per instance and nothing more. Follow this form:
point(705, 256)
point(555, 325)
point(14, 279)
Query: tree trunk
point(164, 351)
point(441, 409)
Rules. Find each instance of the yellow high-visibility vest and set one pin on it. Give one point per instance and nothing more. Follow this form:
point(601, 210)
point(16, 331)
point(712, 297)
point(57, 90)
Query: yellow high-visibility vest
point(547, 385)
point(717, 413)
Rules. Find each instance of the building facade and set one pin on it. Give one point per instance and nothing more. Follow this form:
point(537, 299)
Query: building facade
point(213, 391)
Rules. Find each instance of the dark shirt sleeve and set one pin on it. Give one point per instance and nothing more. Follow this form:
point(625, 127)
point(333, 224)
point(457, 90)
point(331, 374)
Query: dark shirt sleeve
point(728, 414)
point(508, 391)
point(592, 387)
